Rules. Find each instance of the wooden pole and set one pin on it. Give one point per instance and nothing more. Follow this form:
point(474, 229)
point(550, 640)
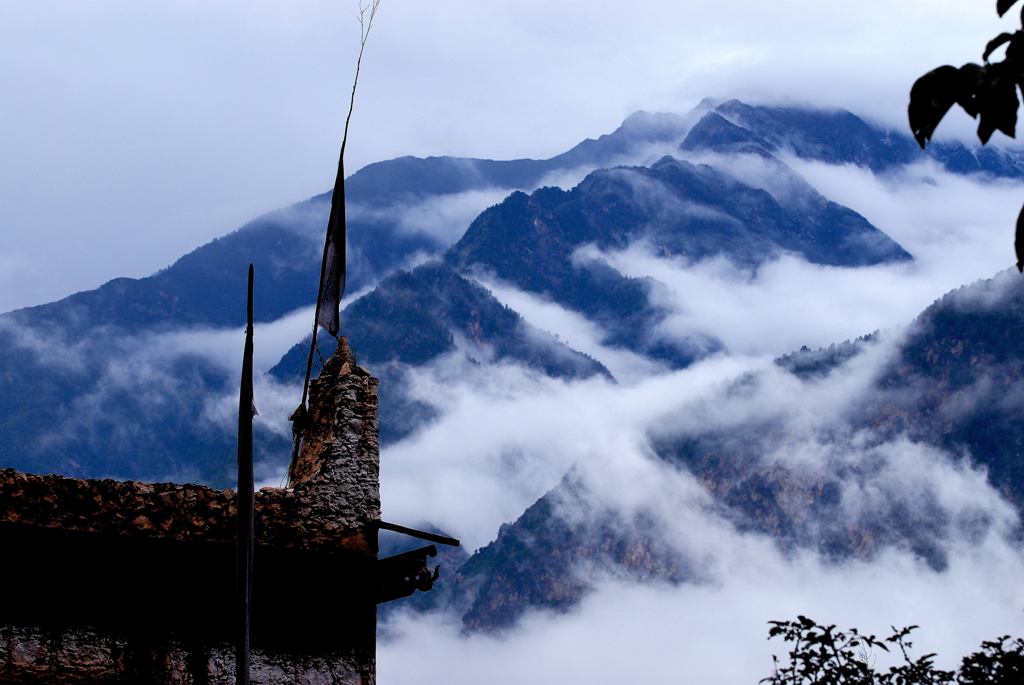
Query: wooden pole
point(244, 547)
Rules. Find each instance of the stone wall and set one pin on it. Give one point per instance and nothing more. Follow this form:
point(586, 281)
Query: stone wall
point(84, 656)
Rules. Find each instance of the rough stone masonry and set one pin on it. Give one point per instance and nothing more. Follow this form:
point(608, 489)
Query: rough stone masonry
point(107, 581)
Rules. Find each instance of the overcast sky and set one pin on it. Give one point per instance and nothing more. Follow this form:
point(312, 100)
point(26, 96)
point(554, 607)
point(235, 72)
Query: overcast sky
point(132, 132)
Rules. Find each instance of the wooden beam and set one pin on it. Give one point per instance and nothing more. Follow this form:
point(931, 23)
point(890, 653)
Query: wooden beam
point(422, 535)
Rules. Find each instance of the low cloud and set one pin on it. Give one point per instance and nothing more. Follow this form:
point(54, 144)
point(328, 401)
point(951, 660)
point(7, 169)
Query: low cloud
point(443, 218)
point(505, 436)
point(223, 346)
point(713, 628)
point(573, 329)
point(957, 228)
point(143, 402)
point(715, 632)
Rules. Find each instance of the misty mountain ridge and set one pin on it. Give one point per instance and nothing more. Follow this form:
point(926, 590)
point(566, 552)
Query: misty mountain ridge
point(841, 137)
point(414, 317)
point(96, 380)
point(532, 242)
point(945, 386)
point(46, 405)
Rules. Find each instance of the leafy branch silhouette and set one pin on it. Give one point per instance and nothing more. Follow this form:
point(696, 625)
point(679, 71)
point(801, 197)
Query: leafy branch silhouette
point(821, 654)
point(987, 92)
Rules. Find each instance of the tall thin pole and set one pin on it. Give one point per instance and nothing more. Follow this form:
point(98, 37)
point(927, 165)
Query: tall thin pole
point(244, 547)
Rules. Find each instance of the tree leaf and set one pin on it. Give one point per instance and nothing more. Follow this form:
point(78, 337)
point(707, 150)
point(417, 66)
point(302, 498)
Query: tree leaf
point(1002, 6)
point(1018, 243)
point(971, 80)
point(997, 102)
point(930, 98)
point(1016, 47)
point(994, 44)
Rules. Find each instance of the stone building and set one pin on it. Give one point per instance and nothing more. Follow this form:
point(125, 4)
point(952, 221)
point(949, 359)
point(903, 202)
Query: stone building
point(108, 581)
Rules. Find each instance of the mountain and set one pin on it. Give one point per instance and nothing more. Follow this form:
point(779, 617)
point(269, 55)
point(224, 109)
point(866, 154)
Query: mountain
point(678, 208)
point(400, 179)
point(415, 317)
point(962, 361)
point(126, 381)
point(531, 241)
point(841, 137)
point(674, 208)
point(115, 404)
point(533, 562)
point(118, 381)
point(91, 387)
point(201, 287)
point(951, 383)
point(954, 380)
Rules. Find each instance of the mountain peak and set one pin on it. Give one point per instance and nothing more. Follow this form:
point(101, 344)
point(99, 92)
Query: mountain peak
point(714, 131)
point(834, 136)
point(653, 126)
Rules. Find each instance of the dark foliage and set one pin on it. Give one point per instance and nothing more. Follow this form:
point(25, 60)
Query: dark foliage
point(987, 92)
point(998, 661)
point(822, 654)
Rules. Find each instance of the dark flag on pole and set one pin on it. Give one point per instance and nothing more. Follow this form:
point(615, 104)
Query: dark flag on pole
point(328, 299)
point(332, 283)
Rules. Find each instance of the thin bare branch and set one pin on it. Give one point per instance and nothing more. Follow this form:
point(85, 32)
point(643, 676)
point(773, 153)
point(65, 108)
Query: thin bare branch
point(365, 25)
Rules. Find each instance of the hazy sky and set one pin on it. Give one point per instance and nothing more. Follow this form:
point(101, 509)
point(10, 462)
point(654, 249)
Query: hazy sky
point(132, 132)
